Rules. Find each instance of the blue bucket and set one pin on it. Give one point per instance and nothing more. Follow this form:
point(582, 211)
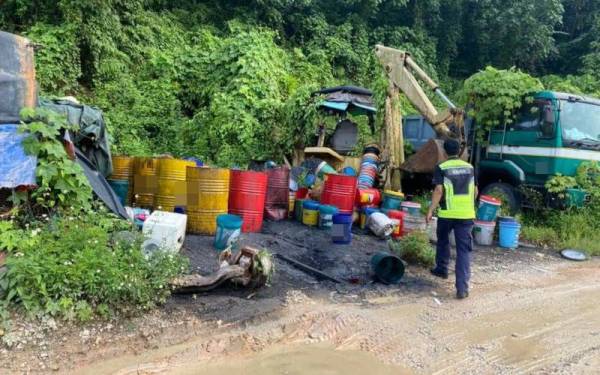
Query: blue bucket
point(509, 234)
point(341, 230)
point(488, 208)
point(228, 231)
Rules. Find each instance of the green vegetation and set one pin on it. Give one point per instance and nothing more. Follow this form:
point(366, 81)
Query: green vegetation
point(78, 265)
point(414, 248)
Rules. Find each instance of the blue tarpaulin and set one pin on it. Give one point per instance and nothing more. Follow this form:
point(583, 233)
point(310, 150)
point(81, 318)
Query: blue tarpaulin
point(16, 167)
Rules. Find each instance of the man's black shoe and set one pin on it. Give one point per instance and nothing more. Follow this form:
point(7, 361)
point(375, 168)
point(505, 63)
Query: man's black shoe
point(437, 273)
point(462, 295)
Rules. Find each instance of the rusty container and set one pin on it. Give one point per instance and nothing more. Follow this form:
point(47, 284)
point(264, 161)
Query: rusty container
point(278, 196)
point(207, 198)
point(144, 181)
point(247, 192)
point(171, 187)
point(18, 88)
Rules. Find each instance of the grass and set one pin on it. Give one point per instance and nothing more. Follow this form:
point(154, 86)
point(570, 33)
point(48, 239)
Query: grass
point(576, 229)
point(414, 248)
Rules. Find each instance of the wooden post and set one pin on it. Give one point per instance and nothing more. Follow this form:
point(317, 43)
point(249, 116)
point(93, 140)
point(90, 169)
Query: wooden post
point(394, 140)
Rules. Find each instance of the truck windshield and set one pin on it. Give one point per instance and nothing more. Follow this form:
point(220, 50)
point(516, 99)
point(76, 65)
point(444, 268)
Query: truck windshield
point(580, 121)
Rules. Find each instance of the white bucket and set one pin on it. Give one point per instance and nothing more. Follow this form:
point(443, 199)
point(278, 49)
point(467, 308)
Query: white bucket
point(483, 232)
point(413, 223)
point(432, 229)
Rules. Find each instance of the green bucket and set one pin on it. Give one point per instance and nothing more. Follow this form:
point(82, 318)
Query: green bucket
point(388, 268)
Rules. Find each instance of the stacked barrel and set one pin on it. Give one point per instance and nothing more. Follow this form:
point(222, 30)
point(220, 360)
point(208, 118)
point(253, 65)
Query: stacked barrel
point(278, 196)
point(121, 180)
point(207, 198)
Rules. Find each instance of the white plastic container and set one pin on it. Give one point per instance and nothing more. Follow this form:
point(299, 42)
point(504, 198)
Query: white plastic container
point(483, 232)
point(165, 231)
point(414, 223)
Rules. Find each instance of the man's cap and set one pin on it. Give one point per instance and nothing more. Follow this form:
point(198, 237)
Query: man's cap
point(452, 147)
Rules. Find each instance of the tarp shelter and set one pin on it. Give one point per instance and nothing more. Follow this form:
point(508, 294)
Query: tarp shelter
point(91, 137)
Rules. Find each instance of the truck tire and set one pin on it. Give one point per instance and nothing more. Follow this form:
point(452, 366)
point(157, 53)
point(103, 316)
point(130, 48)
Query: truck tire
point(510, 197)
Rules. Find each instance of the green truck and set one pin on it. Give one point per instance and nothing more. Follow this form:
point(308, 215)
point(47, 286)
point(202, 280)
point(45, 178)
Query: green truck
point(552, 135)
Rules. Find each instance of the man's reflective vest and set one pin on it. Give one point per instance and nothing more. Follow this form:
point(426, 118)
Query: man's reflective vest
point(459, 190)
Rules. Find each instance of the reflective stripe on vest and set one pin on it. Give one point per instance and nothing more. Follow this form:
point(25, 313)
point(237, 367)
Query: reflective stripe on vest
point(459, 190)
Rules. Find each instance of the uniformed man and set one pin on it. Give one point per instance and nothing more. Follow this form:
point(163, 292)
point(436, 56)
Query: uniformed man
point(454, 193)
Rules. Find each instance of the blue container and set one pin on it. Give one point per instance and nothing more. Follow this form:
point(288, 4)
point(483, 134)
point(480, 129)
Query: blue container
point(388, 268)
point(488, 208)
point(341, 230)
point(228, 232)
point(349, 171)
point(121, 188)
point(392, 200)
point(509, 234)
point(326, 213)
point(506, 219)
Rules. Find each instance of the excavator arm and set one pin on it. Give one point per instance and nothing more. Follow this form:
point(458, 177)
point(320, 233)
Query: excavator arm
point(404, 75)
point(403, 72)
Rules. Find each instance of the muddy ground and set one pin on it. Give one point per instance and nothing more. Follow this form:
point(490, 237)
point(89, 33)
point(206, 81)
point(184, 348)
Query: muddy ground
point(529, 312)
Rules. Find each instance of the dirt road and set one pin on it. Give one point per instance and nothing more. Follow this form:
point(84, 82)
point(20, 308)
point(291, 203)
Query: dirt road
point(528, 312)
point(547, 322)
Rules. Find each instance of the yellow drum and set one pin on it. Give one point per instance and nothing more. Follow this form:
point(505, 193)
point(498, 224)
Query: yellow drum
point(122, 176)
point(122, 168)
point(207, 198)
point(171, 184)
point(144, 181)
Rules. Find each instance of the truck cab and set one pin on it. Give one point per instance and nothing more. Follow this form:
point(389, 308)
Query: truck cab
point(553, 134)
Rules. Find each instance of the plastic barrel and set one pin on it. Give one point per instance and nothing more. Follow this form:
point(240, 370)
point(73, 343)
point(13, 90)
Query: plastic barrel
point(509, 235)
point(339, 191)
point(247, 194)
point(326, 216)
point(291, 202)
point(228, 231)
point(298, 208)
point(483, 232)
point(171, 184)
point(207, 198)
point(506, 219)
point(488, 208)
point(144, 181)
point(341, 230)
point(388, 268)
point(278, 193)
point(121, 188)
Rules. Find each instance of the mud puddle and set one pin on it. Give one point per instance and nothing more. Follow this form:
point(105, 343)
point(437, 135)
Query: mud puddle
point(298, 360)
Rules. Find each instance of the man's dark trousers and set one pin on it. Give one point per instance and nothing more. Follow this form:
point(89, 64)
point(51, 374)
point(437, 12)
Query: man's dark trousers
point(464, 245)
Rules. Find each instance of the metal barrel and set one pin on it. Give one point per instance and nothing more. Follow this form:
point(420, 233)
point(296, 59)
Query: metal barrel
point(171, 184)
point(247, 194)
point(339, 191)
point(207, 198)
point(144, 181)
point(278, 193)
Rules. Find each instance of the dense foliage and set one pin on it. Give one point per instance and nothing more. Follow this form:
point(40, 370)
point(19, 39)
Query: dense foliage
point(229, 81)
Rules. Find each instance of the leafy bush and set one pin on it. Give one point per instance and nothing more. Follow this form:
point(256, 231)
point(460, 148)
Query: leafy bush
point(61, 182)
point(80, 265)
point(496, 96)
point(414, 248)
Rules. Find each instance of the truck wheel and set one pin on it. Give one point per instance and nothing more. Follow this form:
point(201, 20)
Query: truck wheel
point(506, 193)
